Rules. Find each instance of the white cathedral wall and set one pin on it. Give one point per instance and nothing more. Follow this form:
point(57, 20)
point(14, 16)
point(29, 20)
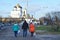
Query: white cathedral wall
point(14, 9)
point(18, 9)
point(15, 14)
point(19, 13)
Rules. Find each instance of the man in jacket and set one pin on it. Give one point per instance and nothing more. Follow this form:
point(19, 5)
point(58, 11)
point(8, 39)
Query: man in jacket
point(25, 27)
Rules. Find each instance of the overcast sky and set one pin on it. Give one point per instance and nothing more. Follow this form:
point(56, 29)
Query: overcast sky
point(38, 8)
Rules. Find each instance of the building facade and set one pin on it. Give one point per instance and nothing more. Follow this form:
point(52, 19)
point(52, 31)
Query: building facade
point(19, 12)
point(16, 12)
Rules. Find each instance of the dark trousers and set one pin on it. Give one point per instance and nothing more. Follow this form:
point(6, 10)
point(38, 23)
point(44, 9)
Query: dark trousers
point(32, 34)
point(24, 32)
point(15, 33)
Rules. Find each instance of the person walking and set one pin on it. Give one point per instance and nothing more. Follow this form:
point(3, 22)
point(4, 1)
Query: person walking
point(31, 29)
point(15, 29)
point(25, 27)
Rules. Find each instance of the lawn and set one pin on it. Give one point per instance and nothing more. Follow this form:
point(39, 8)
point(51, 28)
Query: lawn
point(48, 29)
point(42, 27)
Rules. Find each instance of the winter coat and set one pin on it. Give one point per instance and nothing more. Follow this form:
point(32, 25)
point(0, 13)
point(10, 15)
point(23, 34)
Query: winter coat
point(31, 28)
point(15, 27)
point(25, 25)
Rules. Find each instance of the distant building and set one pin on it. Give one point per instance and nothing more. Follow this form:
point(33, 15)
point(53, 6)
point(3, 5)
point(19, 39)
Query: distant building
point(19, 12)
point(24, 13)
point(44, 20)
point(16, 12)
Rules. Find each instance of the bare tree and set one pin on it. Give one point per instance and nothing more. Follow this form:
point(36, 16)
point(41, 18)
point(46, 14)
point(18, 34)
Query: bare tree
point(56, 23)
point(49, 19)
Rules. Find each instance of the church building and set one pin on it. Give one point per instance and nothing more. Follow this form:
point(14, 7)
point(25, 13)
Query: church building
point(19, 12)
point(16, 12)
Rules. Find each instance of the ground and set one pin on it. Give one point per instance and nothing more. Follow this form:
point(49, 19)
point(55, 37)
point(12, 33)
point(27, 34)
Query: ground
point(8, 34)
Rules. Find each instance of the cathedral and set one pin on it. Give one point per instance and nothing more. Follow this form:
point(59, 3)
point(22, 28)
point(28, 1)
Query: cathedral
point(17, 12)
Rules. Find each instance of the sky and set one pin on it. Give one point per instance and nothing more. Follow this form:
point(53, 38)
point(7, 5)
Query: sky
point(37, 8)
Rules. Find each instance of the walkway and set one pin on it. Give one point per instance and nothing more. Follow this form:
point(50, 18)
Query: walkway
point(7, 34)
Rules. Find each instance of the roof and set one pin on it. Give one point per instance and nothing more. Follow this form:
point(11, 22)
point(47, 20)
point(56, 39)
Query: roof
point(17, 5)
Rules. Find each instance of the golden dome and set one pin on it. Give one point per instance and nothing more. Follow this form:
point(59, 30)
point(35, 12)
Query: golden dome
point(17, 5)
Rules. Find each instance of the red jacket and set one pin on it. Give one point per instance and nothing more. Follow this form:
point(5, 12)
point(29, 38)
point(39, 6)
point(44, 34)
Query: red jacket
point(31, 28)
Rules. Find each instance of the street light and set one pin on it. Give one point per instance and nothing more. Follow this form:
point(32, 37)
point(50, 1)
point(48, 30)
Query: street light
point(27, 6)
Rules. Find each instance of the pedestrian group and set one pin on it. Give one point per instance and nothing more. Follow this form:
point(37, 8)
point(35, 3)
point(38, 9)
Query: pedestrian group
point(25, 28)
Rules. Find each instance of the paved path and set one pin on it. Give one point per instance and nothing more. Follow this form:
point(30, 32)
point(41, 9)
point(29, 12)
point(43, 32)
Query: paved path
point(48, 37)
point(7, 34)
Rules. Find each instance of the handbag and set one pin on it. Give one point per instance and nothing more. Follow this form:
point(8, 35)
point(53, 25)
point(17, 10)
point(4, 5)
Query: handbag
point(34, 34)
point(18, 31)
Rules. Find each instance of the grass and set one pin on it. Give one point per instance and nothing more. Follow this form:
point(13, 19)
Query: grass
point(48, 33)
point(42, 27)
point(48, 29)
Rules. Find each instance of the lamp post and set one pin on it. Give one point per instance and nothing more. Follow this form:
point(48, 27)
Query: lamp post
point(27, 3)
point(27, 6)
